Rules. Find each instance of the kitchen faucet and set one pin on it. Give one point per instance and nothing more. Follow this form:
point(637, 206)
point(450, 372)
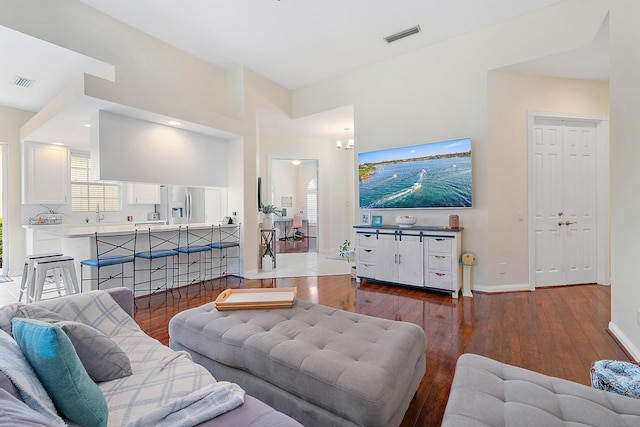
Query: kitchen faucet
point(98, 216)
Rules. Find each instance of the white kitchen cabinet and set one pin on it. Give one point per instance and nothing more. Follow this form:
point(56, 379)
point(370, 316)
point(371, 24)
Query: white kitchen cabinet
point(45, 174)
point(40, 241)
point(420, 256)
point(144, 194)
point(400, 259)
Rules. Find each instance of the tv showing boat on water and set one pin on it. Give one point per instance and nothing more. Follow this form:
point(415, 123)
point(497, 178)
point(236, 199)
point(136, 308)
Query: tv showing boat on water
point(434, 175)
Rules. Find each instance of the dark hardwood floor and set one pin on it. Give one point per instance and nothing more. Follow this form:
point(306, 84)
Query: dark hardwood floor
point(298, 245)
point(556, 331)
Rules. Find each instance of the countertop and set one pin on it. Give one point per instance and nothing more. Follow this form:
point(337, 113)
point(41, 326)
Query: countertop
point(88, 230)
point(415, 228)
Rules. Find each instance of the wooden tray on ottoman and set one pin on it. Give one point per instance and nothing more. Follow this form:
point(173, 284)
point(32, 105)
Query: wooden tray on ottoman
point(246, 299)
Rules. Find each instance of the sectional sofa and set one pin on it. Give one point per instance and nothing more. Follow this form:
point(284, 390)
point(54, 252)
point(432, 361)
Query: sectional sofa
point(486, 392)
point(82, 360)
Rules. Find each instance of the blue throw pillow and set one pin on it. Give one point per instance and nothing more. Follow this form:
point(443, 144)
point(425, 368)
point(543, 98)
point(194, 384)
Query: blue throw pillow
point(53, 358)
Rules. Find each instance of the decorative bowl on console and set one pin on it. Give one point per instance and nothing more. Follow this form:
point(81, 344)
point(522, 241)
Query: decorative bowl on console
point(405, 221)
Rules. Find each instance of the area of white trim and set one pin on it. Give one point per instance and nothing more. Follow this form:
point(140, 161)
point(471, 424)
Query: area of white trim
point(501, 288)
point(624, 341)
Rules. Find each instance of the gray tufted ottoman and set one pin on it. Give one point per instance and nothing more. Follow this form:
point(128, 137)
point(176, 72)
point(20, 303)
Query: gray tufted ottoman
point(319, 365)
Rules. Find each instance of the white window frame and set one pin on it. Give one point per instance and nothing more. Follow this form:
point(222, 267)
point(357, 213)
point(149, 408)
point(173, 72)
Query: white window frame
point(95, 194)
point(312, 202)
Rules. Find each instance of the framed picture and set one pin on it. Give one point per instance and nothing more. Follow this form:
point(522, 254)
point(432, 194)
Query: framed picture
point(376, 220)
point(286, 202)
point(365, 218)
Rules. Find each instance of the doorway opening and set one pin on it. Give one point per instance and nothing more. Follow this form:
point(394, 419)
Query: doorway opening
point(294, 189)
point(568, 164)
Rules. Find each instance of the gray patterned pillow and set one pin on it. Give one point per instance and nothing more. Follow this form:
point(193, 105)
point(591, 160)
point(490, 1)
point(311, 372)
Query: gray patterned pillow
point(103, 359)
point(38, 313)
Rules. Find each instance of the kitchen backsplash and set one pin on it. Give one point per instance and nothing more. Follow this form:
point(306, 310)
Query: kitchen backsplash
point(137, 212)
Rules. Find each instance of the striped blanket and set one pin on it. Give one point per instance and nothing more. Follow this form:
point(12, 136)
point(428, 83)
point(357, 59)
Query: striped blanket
point(164, 382)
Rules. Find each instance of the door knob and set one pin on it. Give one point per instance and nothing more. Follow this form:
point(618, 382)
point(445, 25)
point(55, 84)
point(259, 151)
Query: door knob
point(560, 223)
point(569, 223)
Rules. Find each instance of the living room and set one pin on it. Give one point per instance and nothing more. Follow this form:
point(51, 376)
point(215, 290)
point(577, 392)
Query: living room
point(461, 86)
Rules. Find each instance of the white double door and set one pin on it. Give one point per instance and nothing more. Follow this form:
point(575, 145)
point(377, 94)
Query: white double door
point(564, 201)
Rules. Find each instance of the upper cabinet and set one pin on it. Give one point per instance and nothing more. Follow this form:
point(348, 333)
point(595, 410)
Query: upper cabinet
point(144, 194)
point(45, 174)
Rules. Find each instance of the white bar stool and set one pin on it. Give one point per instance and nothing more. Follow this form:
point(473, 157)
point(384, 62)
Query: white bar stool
point(27, 272)
point(41, 267)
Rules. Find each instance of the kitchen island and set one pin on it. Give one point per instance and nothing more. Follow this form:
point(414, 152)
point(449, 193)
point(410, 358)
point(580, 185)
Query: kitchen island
point(79, 241)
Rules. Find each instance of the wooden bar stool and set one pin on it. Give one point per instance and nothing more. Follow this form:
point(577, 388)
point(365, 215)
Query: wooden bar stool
point(42, 266)
point(27, 272)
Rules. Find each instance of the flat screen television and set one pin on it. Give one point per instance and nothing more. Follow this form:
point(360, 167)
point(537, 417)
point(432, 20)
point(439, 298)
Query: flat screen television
point(434, 175)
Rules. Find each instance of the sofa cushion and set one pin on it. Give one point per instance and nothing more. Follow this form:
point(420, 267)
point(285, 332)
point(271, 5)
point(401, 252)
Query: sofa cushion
point(358, 367)
point(7, 385)
point(486, 392)
point(31, 311)
point(103, 359)
point(14, 412)
point(24, 381)
point(53, 358)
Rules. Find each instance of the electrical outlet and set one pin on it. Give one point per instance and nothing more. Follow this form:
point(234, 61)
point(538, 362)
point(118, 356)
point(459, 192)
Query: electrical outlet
point(502, 268)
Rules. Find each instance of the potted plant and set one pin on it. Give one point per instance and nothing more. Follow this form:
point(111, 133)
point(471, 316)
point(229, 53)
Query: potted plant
point(348, 253)
point(267, 220)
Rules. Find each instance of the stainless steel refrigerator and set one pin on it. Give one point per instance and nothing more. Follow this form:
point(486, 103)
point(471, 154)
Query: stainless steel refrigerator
point(182, 205)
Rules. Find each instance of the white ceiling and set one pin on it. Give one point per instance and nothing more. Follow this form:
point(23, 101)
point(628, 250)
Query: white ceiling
point(51, 67)
point(293, 42)
point(299, 42)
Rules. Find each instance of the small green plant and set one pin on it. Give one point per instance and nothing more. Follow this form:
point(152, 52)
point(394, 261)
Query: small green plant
point(269, 209)
point(344, 248)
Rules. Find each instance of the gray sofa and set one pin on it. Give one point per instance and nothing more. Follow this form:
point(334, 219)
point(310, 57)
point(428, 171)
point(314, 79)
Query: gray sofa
point(486, 392)
point(158, 378)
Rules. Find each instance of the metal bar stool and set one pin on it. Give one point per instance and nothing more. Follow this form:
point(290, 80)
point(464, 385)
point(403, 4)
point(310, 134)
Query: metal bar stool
point(197, 242)
point(162, 246)
point(228, 237)
point(27, 272)
point(111, 250)
point(42, 266)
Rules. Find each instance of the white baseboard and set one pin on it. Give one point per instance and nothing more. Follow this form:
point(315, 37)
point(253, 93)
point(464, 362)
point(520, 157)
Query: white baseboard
point(501, 288)
point(624, 341)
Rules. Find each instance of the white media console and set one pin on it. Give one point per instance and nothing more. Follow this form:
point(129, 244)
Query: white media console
point(421, 256)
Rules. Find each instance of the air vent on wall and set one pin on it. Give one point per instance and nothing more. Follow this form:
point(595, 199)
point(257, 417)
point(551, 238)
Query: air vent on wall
point(402, 34)
point(23, 81)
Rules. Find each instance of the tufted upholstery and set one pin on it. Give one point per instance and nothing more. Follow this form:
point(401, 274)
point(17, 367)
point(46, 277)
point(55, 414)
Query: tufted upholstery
point(358, 367)
point(488, 393)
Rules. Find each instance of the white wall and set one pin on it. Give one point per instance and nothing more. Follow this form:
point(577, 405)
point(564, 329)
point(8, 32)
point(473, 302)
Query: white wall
point(11, 120)
point(335, 175)
point(441, 92)
point(128, 149)
point(625, 173)
point(283, 183)
point(510, 97)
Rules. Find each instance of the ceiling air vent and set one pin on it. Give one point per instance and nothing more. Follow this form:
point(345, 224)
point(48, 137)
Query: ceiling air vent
point(23, 81)
point(402, 34)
